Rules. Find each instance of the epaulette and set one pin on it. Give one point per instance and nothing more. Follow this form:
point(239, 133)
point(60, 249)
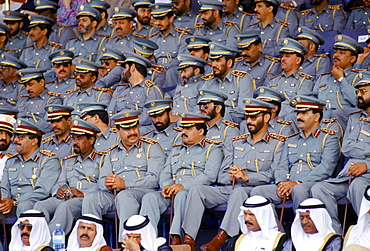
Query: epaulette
point(72, 38)
point(111, 25)
point(326, 73)
point(101, 89)
point(147, 140)
point(329, 120)
point(155, 34)
point(138, 35)
point(306, 76)
point(71, 91)
point(157, 68)
point(208, 76)
point(284, 122)
point(54, 94)
point(286, 7)
point(244, 136)
point(253, 24)
point(246, 13)
point(11, 155)
point(101, 152)
point(114, 37)
point(239, 59)
point(275, 59)
point(71, 156)
point(276, 76)
point(321, 55)
point(112, 147)
point(177, 145)
point(183, 31)
point(229, 123)
point(27, 47)
point(282, 23)
point(304, 12)
point(149, 83)
point(48, 139)
point(358, 70)
point(55, 44)
point(294, 134)
point(328, 131)
point(239, 73)
point(212, 142)
point(335, 7)
point(357, 7)
point(148, 132)
point(23, 96)
point(229, 23)
point(277, 136)
point(102, 35)
point(63, 25)
point(47, 153)
point(354, 112)
point(8, 49)
point(113, 129)
point(25, 32)
point(49, 82)
point(199, 25)
point(178, 129)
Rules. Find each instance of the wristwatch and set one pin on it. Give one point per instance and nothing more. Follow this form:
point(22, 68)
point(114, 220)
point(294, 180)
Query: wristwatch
point(15, 203)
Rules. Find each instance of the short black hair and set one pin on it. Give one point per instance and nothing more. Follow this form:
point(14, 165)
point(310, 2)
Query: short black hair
point(45, 26)
point(103, 115)
point(223, 107)
point(275, 7)
point(318, 111)
point(227, 57)
point(202, 126)
point(201, 69)
point(34, 136)
point(278, 104)
point(140, 68)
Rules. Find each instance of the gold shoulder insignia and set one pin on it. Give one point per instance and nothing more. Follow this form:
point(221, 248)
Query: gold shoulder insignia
point(156, 33)
point(277, 136)
point(114, 37)
point(276, 76)
point(239, 73)
point(326, 73)
point(282, 23)
point(357, 7)
point(331, 132)
point(304, 12)
point(113, 129)
point(101, 35)
point(321, 55)
point(157, 68)
point(306, 76)
point(358, 70)
point(147, 140)
point(335, 7)
point(112, 147)
point(101, 152)
point(149, 83)
point(111, 25)
point(27, 47)
point(138, 35)
point(100, 89)
point(284, 122)
point(229, 23)
point(54, 94)
point(23, 96)
point(8, 49)
point(213, 142)
point(72, 38)
point(246, 13)
point(55, 44)
point(11, 155)
point(71, 91)
point(199, 25)
point(273, 58)
point(177, 145)
point(183, 31)
point(47, 153)
point(229, 123)
point(244, 136)
point(25, 33)
point(329, 120)
point(294, 134)
point(178, 129)
point(49, 82)
point(48, 138)
point(239, 59)
point(286, 7)
point(253, 24)
point(71, 156)
point(148, 132)
point(355, 112)
point(207, 77)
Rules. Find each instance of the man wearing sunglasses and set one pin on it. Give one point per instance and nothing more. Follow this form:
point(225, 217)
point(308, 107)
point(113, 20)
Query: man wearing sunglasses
point(17, 39)
point(109, 60)
point(30, 232)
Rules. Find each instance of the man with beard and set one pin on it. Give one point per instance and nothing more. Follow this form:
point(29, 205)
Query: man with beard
point(4, 31)
point(30, 175)
point(31, 106)
point(89, 44)
point(143, 27)
point(354, 147)
point(109, 60)
point(185, 18)
point(323, 17)
point(231, 13)
point(194, 162)
point(79, 174)
point(17, 39)
point(359, 17)
point(7, 124)
point(103, 28)
point(308, 157)
point(248, 163)
point(165, 132)
point(253, 61)
point(237, 85)
point(130, 170)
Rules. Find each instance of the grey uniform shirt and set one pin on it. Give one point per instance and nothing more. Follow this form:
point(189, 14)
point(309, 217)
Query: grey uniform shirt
point(62, 149)
point(223, 131)
point(187, 21)
point(359, 18)
point(89, 48)
point(106, 140)
point(38, 58)
point(223, 33)
point(66, 84)
point(316, 65)
point(9, 94)
point(17, 43)
point(241, 19)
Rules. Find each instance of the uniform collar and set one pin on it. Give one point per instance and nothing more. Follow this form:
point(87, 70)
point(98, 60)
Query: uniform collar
point(188, 14)
point(35, 156)
point(218, 124)
point(237, 14)
point(166, 131)
point(106, 133)
point(87, 91)
point(325, 10)
point(91, 156)
point(266, 138)
point(315, 133)
point(294, 74)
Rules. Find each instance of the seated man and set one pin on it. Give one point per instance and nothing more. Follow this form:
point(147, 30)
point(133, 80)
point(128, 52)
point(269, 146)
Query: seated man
point(30, 232)
point(87, 235)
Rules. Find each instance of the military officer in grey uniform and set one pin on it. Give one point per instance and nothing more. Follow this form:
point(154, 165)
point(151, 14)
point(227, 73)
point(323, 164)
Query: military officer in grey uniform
point(308, 157)
point(324, 17)
point(31, 106)
point(232, 13)
point(86, 73)
point(63, 80)
point(249, 162)
point(88, 45)
point(198, 46)
point(143, 28)
point(194, 162)
point(4, 31)
point(165, 132)
point(104, 28)
point(96, 114)
point(185, 18)
point(30, 175)
point(7, 125)
point(258, 65)
point(130, 170)
point(291, 81)
point(80, 173)
point(354, 147)
point(60, 141)
point(110, 59)
point(359, 17)
point(313, 64)
point(17, 38)
point(10, 88)
point(237, 85)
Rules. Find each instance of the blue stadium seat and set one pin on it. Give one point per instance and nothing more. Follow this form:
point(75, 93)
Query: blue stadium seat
point(355, 33)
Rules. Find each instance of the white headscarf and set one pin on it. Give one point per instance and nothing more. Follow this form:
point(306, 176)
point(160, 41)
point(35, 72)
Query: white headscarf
point(138, 224)
point(73, 241)
point(265, 217)
point(39, 235)
point(361, 232)
point(323, 223)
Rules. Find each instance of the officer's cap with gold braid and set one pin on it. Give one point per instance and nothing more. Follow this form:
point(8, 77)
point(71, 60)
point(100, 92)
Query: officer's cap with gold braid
point(111, 53)
point(344, 42)
point(207, 96)
point(42, 5)
point(275, 2)
point(142, 3)
point(126, 118)
point(9, 60)
point(219, 50)
point(7, 123)
point(254, 107)
point(27, 127)
point(308, 34)
point(61, 56)
point(88, 10)
point(83, 65)
point(189, 119)
point(123, 13)
point(364, 79)
point(245, 39)
point(82, 127)
point(135, 58)
point(197, 42)
point(99, 4)
point(36, 20)
point(289, 45)
point(8, 111)
point(4, 30)
point(267, 94)
point(144, 47)
point(303, 103)
point(211, 5)
point(160, 9)
point(86, 107)
point(186, 60)
point(28, 74)
point(13, 16)
point(157, 107)
point(56, 111)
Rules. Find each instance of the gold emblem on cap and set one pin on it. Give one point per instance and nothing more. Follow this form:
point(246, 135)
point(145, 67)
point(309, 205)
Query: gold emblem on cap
point(104, 50)
point(19, 122)
point(79, 61)
point(248, 101)
point(298, 99)
point(286, 42)
point(20, 74)
point(156, 6)
point(192, 39)
point(82, 7)
point(3, 56)
point(144, 47)
point(239, 39)
point(50, 109)
point(294, 102)
point(262, 91)
point(126, 114)
point(29, 18)
point(61, 53)
point(183, 115)
point(212, 46)
point(75, 123)
point(38, 2)
point(201, 93)
point(340, 38)
point(360, 75)
point(116, 9)
point(7, 13)
point(8, 118)
point(179, 58)
point(299, 29)
point(153, 104)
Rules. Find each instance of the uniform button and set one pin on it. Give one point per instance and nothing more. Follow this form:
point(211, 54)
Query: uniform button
point(19, 188)
point(331, 91)
point(177, 105)
point(300, 161)
point(253, 147)
point(187, 152)
point(235, 157)
point(157, 138)
point(304, 144)
point(81, 166)
point(57, 148)
point(361, 139)
point(126, 154)
point(10, 178)
point(82, 44)
point(124, 177)
point(23, 166)
point(32, 102)
point(20, 179)
point(186, 86)
point(262, 32)
point(248, 161)
point(37, 53)
point(301, 155)
point(183, 163)
point(113, 170)
point(222, 87)
point(131, 92)
point(18, 195)
point(180, 179)
point(125, 167)
point(164, 40)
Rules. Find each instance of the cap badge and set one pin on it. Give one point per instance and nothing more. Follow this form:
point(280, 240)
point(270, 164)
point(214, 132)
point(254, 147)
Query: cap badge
point(75, 123)
point(299, 29)
point(360, 75)
point(144, 47)
point(262, 91)
point(183, 115)
point(298, 99)
point(340, 38)
point(192, 39)
point(126, 114)
point(153, 104)
point(38, 2)
point(248, 101)
point(179, 58)
point(116, 9)
point(82, 7)
point(212, 46)
point(294, 102)
point(61, 53)
point(156, 6)
point(8, 13)
point(201, 93)
point(50, 109)
point(19, 122)
point(239, 39)
point(79, 61)
point(286, 42)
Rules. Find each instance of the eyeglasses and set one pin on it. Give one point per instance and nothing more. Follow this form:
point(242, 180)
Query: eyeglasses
point(106, 61)
point(206, 106)
point(21, 226)
point(80, 75)
point(360, 91)
point(56, 65)
point(5, 68)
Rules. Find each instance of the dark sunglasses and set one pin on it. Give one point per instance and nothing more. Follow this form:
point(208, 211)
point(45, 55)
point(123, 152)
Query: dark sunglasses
point(21, 226)
point(206, 106)
point(81, 75)
point(62, 64)
point(106, 61)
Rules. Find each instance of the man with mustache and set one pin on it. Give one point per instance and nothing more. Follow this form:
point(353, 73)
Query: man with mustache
point(143, 27)
point(109, 60)
point(194, 162)
point(17, 38)
point(359, 17)
point(60, 142)
point(103, 28)
point(323, 17)
point(185, 18)
point(249, 162)
point(79, 176)
point(232, 13)
point(309, 156)
point(7, 124)
point(130, 170)
point(354, 147)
